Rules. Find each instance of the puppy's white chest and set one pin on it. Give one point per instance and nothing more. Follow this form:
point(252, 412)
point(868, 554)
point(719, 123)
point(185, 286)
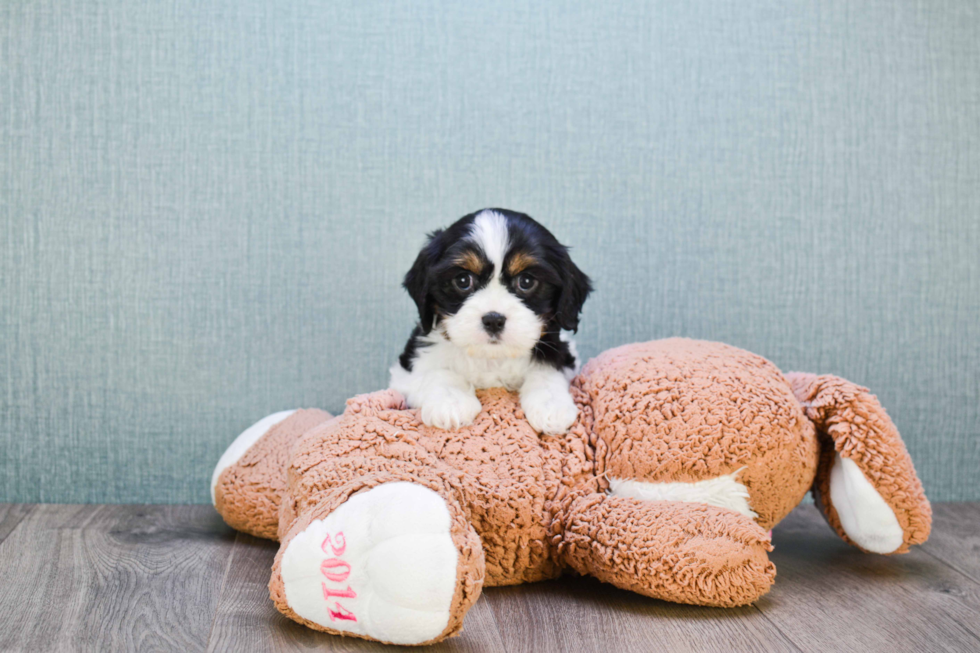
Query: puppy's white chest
point(493, 373)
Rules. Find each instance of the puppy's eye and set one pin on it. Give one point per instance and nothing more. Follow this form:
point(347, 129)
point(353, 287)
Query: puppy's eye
point(526, 283)
point(463, 282)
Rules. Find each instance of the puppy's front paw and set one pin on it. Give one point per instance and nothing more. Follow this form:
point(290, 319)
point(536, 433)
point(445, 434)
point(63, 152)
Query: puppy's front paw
point(450, 409)
point(549, 412)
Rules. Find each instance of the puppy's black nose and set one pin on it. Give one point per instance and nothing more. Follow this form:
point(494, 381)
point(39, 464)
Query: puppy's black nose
point(494, 323)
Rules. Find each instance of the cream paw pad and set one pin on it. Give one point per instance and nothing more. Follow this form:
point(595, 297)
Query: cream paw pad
point(382, 565)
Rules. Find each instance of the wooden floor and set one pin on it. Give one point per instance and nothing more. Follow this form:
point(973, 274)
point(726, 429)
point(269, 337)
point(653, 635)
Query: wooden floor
point(175, 578)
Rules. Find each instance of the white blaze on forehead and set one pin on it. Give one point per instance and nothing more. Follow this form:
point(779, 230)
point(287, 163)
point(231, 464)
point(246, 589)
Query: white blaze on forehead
point(465, 328)
point(489, 231)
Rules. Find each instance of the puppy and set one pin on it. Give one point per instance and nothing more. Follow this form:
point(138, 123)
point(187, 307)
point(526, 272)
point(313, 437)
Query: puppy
point(494, 292)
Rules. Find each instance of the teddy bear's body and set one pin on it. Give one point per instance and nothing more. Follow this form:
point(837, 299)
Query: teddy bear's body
point(683, 455)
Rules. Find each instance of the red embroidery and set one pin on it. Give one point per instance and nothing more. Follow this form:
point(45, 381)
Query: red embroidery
point(335, 563)
point(338, 548)
point(340, 594)
point(336, 570)
point(341, 613)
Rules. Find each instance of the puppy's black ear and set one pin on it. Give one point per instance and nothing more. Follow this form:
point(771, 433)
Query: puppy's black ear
point(575, 288)
point(417, 280)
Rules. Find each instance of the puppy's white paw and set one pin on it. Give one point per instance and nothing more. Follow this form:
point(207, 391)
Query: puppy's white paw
point(549, 412)
point(450, 409)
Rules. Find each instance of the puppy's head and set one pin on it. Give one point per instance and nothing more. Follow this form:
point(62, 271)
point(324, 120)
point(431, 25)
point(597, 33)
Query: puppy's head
point(494, 283)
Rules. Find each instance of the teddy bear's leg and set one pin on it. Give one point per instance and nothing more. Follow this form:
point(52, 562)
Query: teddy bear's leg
point(393, 561)
point(250, 477)
point(866, 485)
point(675, 551)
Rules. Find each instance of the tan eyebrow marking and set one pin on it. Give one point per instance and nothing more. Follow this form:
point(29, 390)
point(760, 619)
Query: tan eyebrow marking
point(520, 262)
point(470, 261)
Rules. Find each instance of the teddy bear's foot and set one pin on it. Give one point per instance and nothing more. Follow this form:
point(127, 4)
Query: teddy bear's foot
point(385, 565)
point(866, 485)
point(671, 550)
point(250, 477)
point(863, 514)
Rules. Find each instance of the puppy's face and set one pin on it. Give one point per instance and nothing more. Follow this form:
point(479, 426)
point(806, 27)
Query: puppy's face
point(494, 283)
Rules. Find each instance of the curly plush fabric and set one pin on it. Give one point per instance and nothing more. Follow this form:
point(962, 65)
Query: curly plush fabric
point(675, 551)
point(498, 469)
point(704, 423)
point(854, 425)
point(686, 410)
point(248, 492)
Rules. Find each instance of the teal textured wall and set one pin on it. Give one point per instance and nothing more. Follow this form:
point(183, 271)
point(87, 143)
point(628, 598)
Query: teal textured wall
point(206, 207)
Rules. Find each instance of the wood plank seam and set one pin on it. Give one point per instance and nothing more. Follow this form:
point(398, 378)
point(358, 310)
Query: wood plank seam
point(221, 590)
point(493, 618)
point(947, 563)
point(965, 628)
point(776, 626)
point(24, 511)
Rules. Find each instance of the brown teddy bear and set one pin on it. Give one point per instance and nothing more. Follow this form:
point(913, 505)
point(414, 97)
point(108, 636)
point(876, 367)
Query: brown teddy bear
point(685, 453)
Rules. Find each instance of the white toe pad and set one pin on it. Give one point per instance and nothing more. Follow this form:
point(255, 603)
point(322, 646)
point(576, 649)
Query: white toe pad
point(383, 564)
point(864, 515)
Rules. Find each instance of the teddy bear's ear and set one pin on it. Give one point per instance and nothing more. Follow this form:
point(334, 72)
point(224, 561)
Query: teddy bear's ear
point(575, 288)
point(417, 281)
